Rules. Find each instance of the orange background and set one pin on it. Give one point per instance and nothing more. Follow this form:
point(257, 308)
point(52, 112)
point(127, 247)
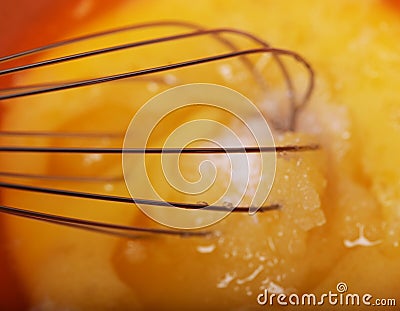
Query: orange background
point(26, 24)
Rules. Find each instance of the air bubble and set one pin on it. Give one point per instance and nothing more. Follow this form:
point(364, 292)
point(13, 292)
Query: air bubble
point(228, 205)
point(206, 249)
point(108, 187)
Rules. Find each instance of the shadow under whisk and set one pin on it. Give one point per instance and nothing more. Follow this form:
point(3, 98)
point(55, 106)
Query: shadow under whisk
point(224, 37)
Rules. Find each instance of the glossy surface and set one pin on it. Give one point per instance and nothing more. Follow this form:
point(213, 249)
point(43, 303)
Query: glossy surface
point(340, 217)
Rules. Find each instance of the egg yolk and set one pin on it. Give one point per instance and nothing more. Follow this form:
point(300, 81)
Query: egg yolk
point(339, 216)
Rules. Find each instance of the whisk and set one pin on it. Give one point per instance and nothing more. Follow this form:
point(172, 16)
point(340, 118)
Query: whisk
point(222, 36)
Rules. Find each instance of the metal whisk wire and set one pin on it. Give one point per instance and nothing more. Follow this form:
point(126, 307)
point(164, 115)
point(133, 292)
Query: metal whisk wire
point(42, 88)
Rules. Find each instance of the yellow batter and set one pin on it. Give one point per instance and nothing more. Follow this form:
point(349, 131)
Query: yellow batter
point(340, 217)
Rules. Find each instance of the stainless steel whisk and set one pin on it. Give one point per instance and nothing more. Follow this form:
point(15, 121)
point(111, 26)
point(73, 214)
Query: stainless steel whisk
point(189, 31)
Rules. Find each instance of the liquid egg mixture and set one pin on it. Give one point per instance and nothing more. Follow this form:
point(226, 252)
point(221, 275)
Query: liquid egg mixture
point(338, 220)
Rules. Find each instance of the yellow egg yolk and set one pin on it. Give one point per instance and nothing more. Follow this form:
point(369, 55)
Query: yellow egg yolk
point(339, 220)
